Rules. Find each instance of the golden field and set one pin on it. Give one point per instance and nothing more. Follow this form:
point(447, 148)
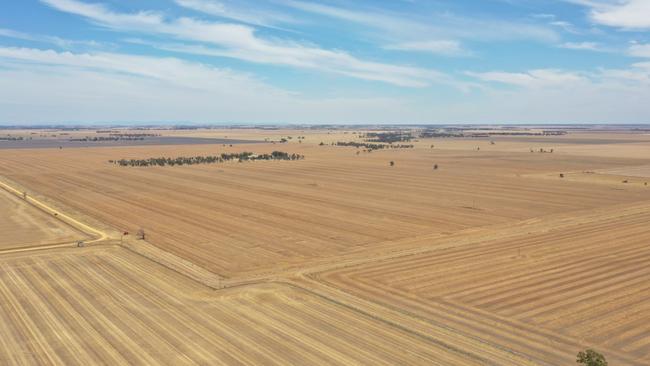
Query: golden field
point(340, 258)
point(109, 306)
point(234, 218)
point(542, 288)
point(22, 225)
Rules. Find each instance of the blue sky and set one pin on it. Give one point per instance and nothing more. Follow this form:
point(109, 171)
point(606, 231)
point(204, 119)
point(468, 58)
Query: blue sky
point(301, 61)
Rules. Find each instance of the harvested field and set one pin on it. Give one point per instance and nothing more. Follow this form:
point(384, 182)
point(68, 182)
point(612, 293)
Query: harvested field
point(236, 219)
point(109, 306)
point(341, 258)
point(642, 171)
point(149, 141)
point(22, 225)
point(543, 292)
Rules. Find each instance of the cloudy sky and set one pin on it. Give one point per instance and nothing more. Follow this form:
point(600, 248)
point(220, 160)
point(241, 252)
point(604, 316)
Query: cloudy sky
point(331, 61)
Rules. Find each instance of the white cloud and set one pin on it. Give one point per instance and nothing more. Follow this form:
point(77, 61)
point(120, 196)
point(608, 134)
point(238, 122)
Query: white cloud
point(168, 70)
point(15, 34)
point(559, 96)
point(51, 86)
point(637, 75)
point(583, 103)
point(564, 25)
point(541, 78)
point(427, 26)
point(241, 42)
point(436, 47)
point(57, 41)
point(631, 14)
point(325, 60)
point(625, 14)
point(46, 86)
point(639, 50)
point(102, 14)
point(244, 13)
point(585, 46)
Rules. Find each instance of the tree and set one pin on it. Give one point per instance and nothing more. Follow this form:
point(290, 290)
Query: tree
point(435, 166)
point(392, 163)
point(591, 358)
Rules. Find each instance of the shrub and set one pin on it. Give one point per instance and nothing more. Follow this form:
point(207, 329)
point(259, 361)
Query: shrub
point(591, 358)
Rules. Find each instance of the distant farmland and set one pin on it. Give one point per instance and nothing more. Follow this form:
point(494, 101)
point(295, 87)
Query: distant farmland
point(509, 251)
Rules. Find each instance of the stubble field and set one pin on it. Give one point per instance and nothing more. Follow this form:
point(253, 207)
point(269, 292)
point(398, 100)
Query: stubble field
point(109, 306)
point(22, 225)
point(492, 258)
point(245, 218)
point(541, 289)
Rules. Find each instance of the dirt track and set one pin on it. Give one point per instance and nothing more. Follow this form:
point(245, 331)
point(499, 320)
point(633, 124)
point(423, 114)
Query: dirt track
point(24, 226)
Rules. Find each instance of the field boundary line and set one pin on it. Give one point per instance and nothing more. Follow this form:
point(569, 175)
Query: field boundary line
point(36, 247)
point(393, 317)
point(174, 263)
point(84, 228)
point(436, 242)
point(316, 283)
point(148, 250)
point(482, 235)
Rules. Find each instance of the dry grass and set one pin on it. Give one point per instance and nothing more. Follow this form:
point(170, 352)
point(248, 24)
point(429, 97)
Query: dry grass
point(22, 225)
point(566, 281)
point(338, 258)
point(234, 219)
point(109, 306)
point(642, 171)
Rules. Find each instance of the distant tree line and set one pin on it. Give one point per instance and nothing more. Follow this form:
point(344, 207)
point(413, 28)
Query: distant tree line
point(193, 160)
point(443, 133)
point(11, 138)
point(371, 146)
point(133, 135)
point(437, 133)
point(118, 133)
point(388, 137)
point(111, 138)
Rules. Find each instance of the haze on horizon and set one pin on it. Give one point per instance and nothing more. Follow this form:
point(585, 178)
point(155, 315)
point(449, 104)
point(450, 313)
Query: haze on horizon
point(300, 61)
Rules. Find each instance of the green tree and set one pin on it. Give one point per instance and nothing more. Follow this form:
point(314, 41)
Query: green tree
point(591, 358)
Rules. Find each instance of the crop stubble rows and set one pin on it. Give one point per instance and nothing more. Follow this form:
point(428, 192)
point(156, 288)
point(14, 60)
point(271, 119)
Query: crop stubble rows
point(501, 295)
